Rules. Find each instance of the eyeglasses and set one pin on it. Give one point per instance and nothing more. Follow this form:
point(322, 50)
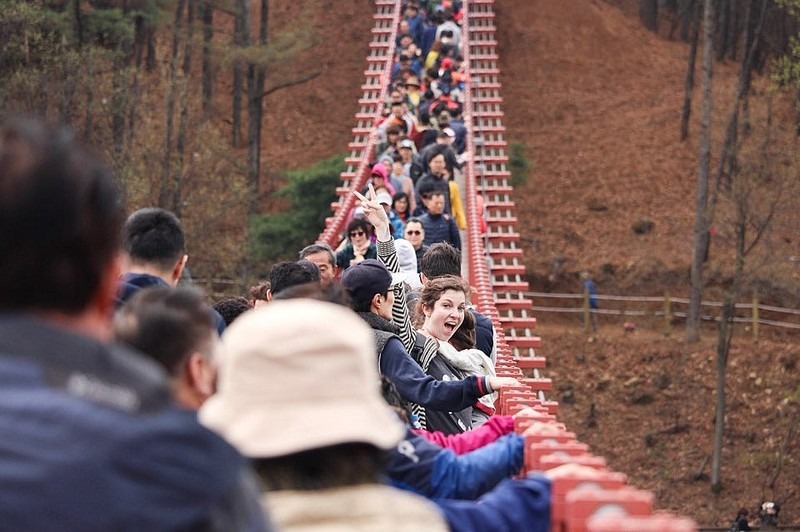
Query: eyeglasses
point(413, 232)
point(356, 233)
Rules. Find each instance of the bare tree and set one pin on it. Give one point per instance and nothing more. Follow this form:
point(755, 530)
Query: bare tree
point(694, 9)
point(701, 222)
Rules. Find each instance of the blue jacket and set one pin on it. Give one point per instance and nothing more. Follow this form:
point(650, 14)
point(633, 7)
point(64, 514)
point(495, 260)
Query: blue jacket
point(513, 505)
point(440, 228)
point(412, 383)
point(93, 441)
point(419, 465)
point(133, 282)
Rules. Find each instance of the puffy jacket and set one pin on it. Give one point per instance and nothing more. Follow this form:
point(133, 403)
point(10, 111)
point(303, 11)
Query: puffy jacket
point(418, 465)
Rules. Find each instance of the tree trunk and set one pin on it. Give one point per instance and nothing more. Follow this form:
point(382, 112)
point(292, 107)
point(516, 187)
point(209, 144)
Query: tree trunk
point(164, 189)
point(208, 71)
point(701, 222)
point(723, 28)
point(183, 122)
point(648, 13)
point(726, 326)
point(256, 74)
point(78, 23)
point(689, 88)
point(241, 39)
point(687, 18)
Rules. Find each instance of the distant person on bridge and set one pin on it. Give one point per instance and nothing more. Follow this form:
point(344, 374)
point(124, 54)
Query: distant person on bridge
point(434, 180)
point(439, 226)
point(415, 233)
point(359, 246)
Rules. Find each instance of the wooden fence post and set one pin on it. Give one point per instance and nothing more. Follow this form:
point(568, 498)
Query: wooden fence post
point(755, 317)
point(667, 314)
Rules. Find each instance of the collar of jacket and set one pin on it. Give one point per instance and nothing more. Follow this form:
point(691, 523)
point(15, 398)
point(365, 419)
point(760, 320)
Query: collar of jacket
point(377, 322)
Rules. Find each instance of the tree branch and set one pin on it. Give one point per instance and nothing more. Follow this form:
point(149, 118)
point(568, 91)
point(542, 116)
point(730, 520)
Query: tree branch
point(292, 83)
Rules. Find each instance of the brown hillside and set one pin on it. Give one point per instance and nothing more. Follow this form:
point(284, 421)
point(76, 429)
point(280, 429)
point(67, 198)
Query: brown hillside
point(596, 100)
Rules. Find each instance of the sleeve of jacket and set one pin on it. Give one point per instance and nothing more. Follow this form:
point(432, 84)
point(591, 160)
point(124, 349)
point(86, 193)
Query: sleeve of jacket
point(387, 254)
point(465, 442)
point(415, 386)
point(455, 237)
point(421, 466)
point(513, 505)
point(456, 205)
point(470, 475)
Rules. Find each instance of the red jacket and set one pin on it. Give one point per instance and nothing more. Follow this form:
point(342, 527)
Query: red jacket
point(468, 441)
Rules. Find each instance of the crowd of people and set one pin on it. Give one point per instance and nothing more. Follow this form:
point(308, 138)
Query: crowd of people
point(422, 135)
point(322, 405)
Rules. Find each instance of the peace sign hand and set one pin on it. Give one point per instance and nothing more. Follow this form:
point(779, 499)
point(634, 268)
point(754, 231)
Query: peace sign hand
point(375, 214)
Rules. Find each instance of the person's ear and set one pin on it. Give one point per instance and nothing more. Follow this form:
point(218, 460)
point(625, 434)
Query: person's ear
point(104, 300)
point(377, 300)
point(177, 271)
point(423, 278)
point(199, 374)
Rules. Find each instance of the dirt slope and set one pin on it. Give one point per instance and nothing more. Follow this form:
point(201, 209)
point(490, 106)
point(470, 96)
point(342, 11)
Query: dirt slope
point(596, 100)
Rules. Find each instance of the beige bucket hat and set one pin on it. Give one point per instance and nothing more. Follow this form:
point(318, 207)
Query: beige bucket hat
point(299, 375)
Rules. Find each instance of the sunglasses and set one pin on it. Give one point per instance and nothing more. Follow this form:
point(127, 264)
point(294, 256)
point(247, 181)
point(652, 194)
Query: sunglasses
point(413, 232)
point(357, 233)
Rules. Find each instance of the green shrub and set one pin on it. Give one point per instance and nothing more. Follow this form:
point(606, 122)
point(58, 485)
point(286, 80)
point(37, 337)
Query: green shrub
point(309, 191)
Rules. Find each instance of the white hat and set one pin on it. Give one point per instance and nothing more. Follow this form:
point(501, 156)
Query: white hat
point(407, 258)
point(384, 198)
point(300, 375)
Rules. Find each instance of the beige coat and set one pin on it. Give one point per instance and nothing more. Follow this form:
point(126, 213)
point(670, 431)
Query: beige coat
point(371, 507)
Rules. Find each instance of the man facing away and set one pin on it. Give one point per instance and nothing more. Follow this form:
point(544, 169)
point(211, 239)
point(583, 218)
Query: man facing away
point(155, 247)
point(91, 437)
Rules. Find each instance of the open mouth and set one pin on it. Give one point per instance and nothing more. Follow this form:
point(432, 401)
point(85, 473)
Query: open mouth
point(450, 326)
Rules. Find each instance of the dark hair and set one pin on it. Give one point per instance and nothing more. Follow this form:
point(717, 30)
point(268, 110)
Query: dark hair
point(358, 223)
point(465, 337)
point(397, 197)
point(317, 248)
point(392, 396)
point(287, 274)
point(347, 464)
point(167, 324)
point(364, 302)
point(438, 149)
point(231, 308)
point(440, 259)
point(154, 236)
point(259, 291)
point(60, 214)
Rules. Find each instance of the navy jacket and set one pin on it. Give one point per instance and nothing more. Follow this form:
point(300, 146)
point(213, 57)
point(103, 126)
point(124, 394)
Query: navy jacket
point(93, 441)
point(440, 228)
point(415, 386)
point(423, 467)
point(133, 282)
point(511, 506)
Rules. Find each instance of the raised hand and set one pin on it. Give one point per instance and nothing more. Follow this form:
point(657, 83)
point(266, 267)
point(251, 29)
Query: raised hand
point(375, 214)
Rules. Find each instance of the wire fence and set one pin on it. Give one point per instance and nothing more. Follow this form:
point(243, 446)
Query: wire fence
point(662, 311)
